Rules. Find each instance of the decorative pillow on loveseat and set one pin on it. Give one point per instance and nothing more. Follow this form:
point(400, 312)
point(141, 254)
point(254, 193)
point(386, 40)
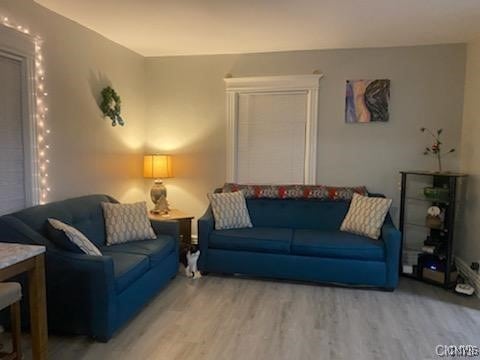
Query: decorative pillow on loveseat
point(230, 210)
point(127, 222)
point(69, 238)
point(366, 215)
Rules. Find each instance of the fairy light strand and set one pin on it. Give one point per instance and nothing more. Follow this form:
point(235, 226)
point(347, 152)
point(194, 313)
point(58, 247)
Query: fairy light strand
point(41, 110)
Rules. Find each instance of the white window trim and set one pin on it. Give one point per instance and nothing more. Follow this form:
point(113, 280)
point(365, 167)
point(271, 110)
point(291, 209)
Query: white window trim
point(277, 84)
point(20, 47)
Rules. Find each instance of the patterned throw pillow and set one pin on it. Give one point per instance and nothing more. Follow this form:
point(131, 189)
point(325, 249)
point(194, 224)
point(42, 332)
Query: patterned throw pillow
point(127, 222)
point(366, 215)
point(230, 210)
point(78, 242)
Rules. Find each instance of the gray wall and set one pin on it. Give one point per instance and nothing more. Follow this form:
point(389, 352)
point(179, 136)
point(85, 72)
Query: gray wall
point(469, 246)
point(186, 113)
point(176, 105)
point(87, 155)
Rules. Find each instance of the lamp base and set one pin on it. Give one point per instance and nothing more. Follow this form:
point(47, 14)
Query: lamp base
point(155, 211)
point(158, 193)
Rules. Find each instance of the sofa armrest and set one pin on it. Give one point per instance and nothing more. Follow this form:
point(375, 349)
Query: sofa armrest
point(206, 225)
point(81, 292)
point(166, 227)
point(392, 239)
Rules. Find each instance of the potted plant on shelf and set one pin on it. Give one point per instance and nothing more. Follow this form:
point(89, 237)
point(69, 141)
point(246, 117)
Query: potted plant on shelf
point(435, 149)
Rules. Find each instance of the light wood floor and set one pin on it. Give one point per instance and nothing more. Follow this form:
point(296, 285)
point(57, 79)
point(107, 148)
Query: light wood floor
point(236, 318)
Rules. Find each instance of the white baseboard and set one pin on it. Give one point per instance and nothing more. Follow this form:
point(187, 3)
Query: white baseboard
point(472, 276)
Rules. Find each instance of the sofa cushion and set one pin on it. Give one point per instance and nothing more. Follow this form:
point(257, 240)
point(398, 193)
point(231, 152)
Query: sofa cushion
point(127, 267)
point(336, 244)
point(156, 250)
point(257, 239)
point(297, 214)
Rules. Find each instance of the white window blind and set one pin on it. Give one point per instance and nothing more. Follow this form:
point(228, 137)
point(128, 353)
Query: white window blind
point(271, 137)
point(272, 129)
point(12, 157)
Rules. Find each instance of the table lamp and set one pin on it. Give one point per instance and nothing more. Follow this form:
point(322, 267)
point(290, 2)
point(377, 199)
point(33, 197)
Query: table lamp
point(158, 167)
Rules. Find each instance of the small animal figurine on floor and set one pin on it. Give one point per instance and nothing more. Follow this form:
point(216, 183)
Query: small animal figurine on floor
point(192, 256)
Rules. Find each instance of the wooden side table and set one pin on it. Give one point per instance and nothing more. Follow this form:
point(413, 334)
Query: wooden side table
point(185, 222)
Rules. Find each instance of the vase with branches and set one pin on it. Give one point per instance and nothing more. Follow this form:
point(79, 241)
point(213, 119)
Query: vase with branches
point(435, 149)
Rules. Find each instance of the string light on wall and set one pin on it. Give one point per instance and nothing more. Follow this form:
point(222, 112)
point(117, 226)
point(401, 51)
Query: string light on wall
point(41, 111)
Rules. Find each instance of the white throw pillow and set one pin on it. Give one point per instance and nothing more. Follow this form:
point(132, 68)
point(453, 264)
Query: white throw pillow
point(230, 210)
point(366, 215)
point(127, 222)
point(76, 237)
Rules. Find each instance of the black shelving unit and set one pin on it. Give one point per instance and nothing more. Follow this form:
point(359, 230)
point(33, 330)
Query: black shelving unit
point(415, 262)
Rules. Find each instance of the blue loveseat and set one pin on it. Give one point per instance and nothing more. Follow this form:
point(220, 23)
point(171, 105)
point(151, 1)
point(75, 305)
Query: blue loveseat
point(299, 239)
point(95, 295)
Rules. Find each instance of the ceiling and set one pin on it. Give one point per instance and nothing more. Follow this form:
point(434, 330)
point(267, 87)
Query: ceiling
point(190, 27)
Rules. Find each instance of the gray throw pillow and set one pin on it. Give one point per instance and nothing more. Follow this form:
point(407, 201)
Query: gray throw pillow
point(127, 222)
point(77, 239)
point(230, 210)
point(366, 216)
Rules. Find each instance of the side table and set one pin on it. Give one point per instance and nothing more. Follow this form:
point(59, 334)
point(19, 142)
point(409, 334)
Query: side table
point(185, 222)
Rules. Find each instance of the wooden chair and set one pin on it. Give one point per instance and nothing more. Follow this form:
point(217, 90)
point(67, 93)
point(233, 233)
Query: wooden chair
point(10, 295)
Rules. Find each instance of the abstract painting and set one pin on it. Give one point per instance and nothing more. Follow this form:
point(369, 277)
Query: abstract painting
point(367, 101)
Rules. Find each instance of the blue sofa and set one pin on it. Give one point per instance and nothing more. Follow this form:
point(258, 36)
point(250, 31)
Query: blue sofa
point(95, 295)
point(299, 239)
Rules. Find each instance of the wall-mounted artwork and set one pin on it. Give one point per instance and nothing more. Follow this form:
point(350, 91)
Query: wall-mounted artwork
point(367, 101)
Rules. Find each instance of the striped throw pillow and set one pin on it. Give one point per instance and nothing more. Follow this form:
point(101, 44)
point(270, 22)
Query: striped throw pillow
point(230, 210)
point(366, 216)
point(78, 241)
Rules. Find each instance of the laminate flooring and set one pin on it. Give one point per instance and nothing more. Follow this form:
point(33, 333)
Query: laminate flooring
point(226, 318)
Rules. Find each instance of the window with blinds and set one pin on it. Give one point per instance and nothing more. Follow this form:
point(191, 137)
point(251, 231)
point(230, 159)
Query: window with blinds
point(12, 157)
point(272, 129)
point(271, 138)
point(18, 141)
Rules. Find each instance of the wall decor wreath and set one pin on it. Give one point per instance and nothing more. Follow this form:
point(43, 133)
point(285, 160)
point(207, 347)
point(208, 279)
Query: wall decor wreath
point(110, 106)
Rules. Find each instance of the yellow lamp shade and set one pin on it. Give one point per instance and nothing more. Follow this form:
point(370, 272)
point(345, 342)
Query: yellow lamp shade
point(157, 166)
